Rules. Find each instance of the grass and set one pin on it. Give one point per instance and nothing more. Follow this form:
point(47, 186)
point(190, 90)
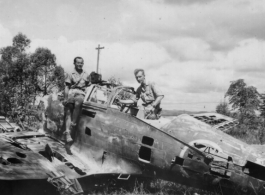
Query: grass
point(157, 187)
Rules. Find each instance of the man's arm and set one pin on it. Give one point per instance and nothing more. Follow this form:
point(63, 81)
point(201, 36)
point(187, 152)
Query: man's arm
point(126, 101)
point(158, 94)
point(157, 100)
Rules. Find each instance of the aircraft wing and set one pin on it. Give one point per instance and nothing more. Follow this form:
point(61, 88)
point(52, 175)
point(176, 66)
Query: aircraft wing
point(217, 121)
point(31, 155)
point(209, 140)
point(6, 126)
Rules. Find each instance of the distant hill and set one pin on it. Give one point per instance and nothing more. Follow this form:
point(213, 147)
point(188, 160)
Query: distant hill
point(178, 112)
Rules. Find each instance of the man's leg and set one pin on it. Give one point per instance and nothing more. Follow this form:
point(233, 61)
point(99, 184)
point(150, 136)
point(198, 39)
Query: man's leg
point(78, 103)
point(68, 118)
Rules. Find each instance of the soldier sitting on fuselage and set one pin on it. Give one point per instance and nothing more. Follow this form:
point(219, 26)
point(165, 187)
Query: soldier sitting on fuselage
point(75, 85)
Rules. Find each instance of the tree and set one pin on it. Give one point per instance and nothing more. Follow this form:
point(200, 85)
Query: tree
point(262, 117)
point(262, 106)
point(223, 108)
point(114, 81)
point(21, 42)
point(23, 75)
point(58, 77)
point(44, 64)
point(242, 97)
point(14, 65)
point(246, 100)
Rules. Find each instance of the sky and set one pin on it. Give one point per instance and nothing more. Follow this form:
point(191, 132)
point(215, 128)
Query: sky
point(191, 49)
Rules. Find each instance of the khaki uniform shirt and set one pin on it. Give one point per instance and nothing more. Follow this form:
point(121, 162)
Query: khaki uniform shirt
point(77, 82)
point(148, 92)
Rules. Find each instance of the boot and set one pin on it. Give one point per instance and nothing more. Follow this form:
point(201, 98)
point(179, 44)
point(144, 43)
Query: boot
point(68, 137)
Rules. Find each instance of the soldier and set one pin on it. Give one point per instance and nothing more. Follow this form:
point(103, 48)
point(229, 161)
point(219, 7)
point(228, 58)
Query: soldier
point(150, 95)
point(75, 85)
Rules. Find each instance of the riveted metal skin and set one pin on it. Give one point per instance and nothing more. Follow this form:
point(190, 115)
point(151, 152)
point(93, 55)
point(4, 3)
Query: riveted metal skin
point(111, 143)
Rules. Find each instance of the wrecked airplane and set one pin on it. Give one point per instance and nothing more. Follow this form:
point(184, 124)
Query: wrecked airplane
point(8, 126)
point(112, 139)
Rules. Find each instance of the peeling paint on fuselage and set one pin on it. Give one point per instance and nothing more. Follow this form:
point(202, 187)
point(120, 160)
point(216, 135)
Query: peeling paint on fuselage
point(121, 137)
point(189, 130)
point(180, 149)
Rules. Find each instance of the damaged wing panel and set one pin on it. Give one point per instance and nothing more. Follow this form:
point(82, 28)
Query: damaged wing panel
point(217, 121)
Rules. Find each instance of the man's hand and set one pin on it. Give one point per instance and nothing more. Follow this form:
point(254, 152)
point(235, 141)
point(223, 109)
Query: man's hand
point(150, 108)
point(64, 102)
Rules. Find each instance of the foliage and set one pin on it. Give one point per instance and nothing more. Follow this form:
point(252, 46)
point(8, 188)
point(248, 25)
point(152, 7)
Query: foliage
point(44, 64)
point(242, 97)
point(251, 132)
point(21, 42)
point(114, 81)
point(58, 77)
point(15, 77)
point(223, 108)
point(262, 106)
point(124, 94)
point(55, 115)
point(156, 186)
point(246, 101)
point(55, 109)
point(24, 75)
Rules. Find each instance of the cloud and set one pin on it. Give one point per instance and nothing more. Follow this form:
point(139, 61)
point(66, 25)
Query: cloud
point(187, 2)
point(19, 23)
point(67, 15)
point(188, 48)
point(66, 51)
point(116, 59)
point(221, 23)
point(186, 69)
point(207, 80)
point(125, 58)
point(5, 36)
point(191, 49)
point(248, 56)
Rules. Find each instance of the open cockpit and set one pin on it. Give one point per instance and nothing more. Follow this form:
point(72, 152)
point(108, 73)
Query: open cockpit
point(106, 97)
